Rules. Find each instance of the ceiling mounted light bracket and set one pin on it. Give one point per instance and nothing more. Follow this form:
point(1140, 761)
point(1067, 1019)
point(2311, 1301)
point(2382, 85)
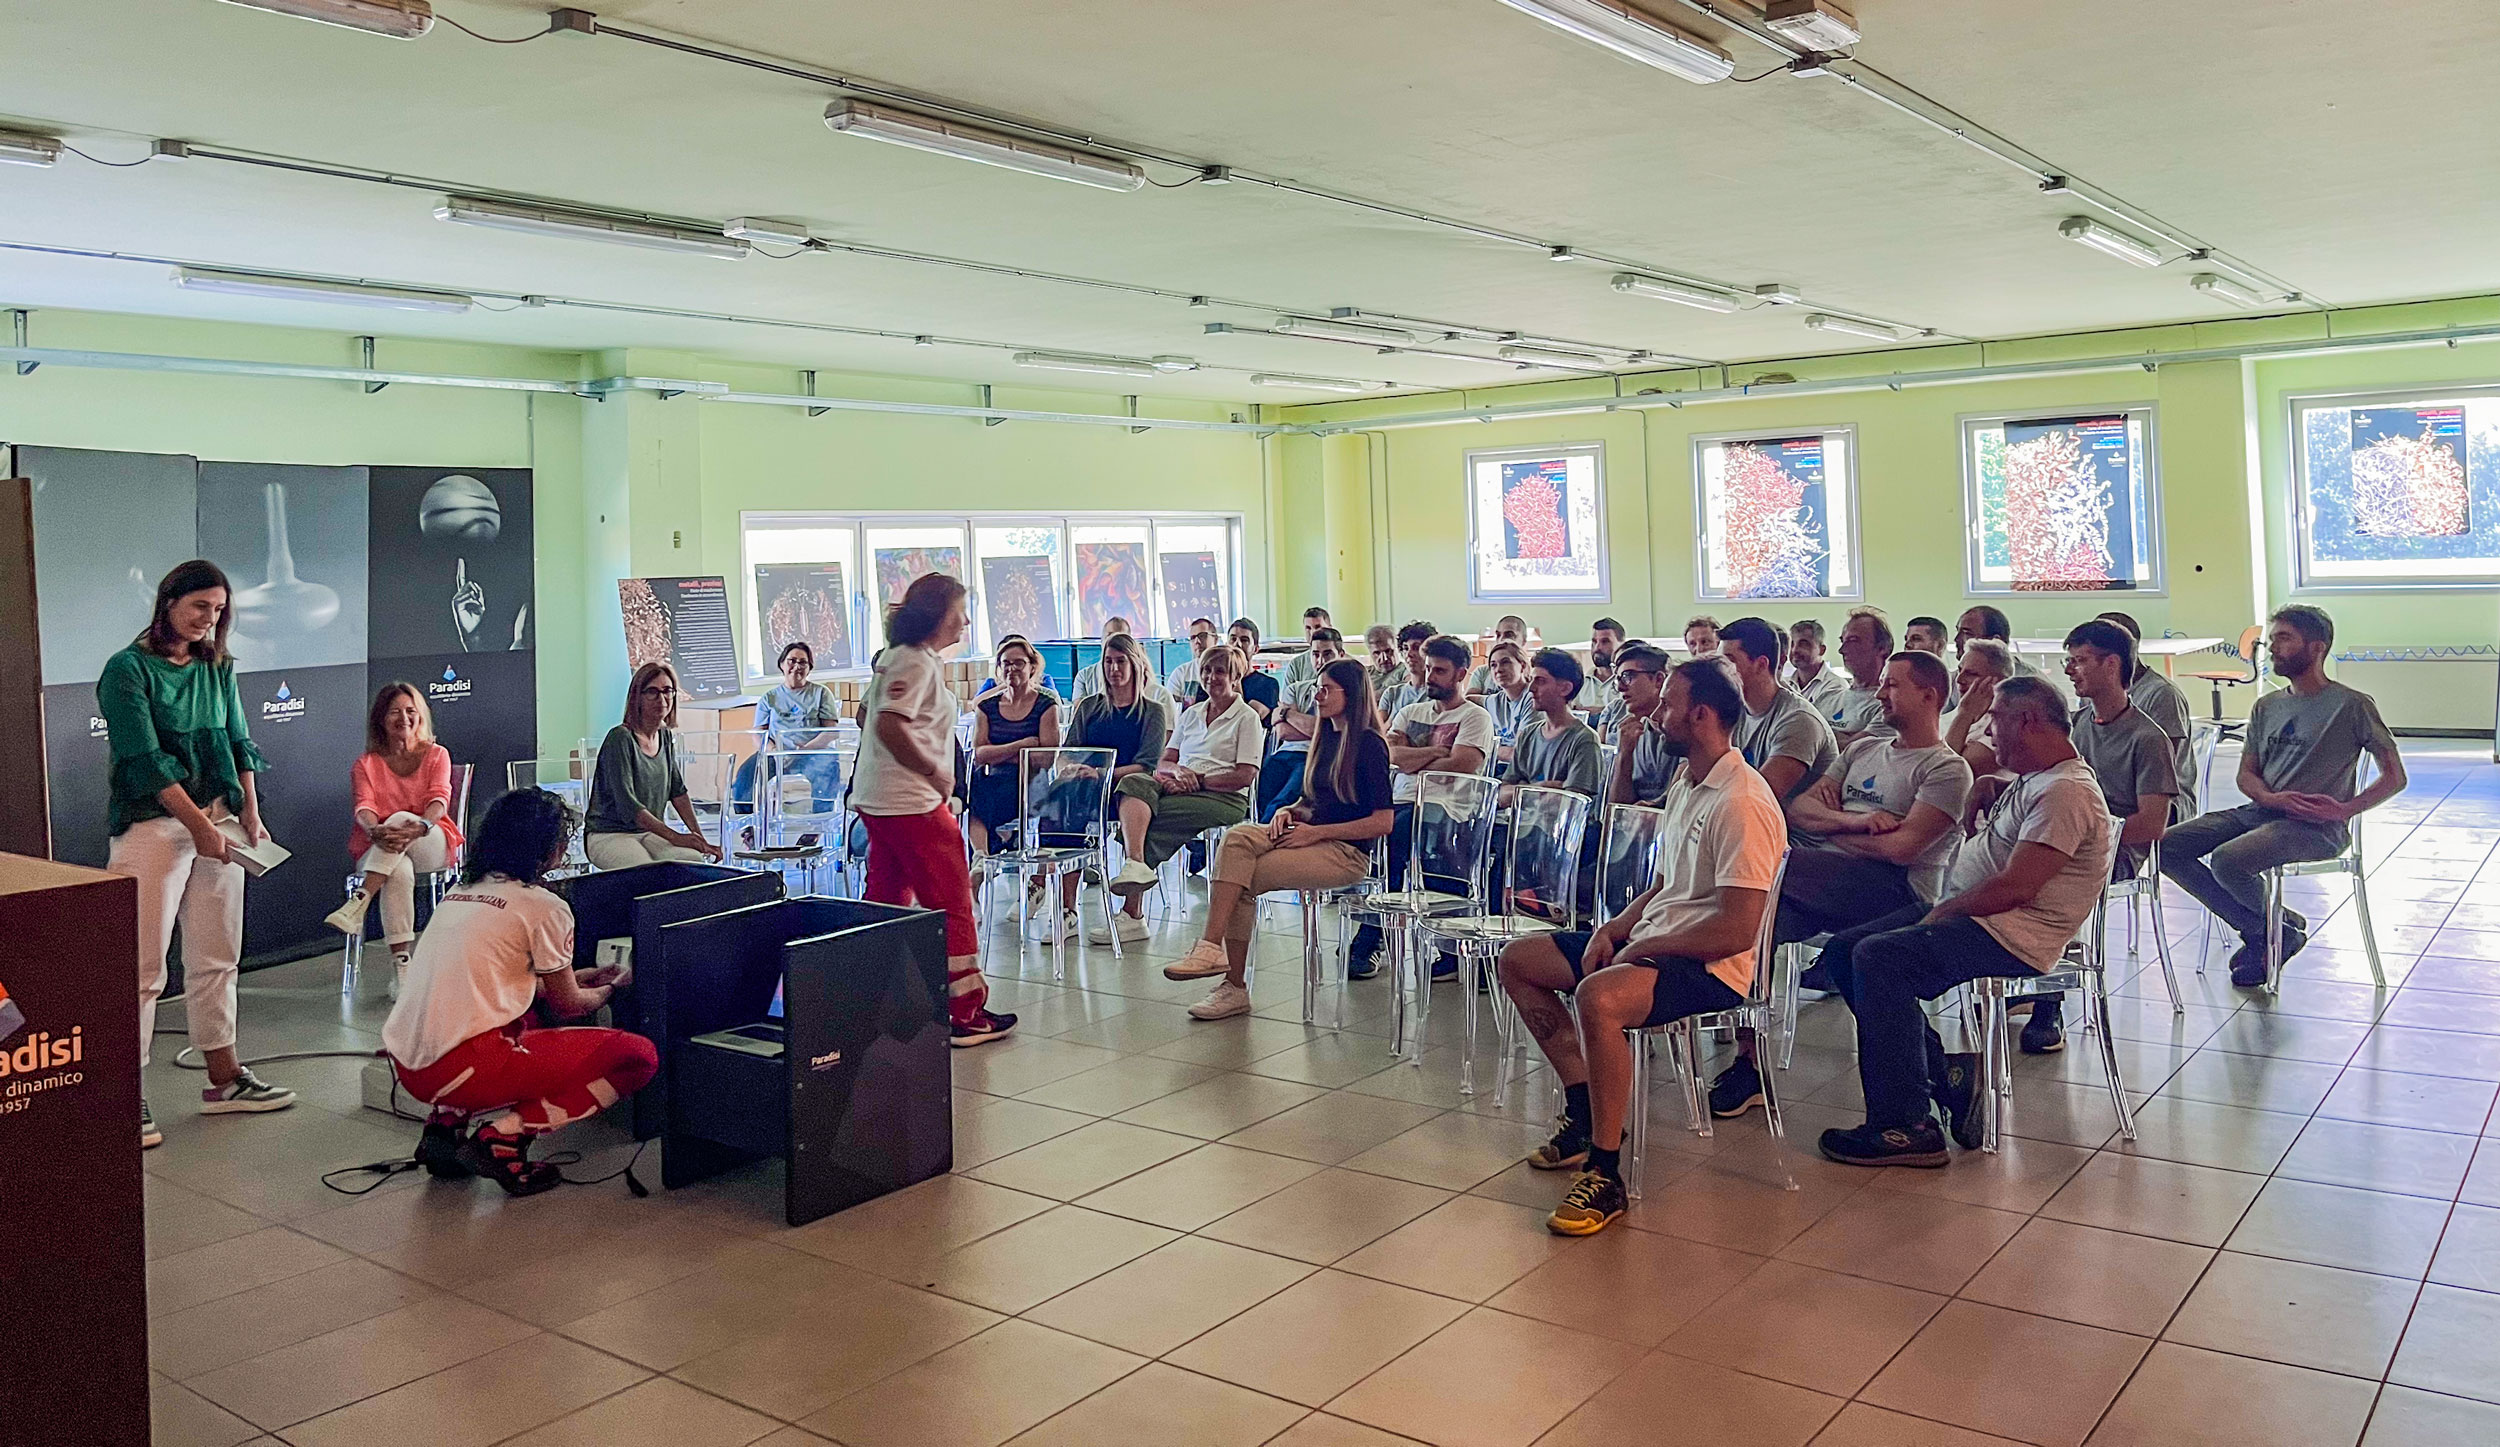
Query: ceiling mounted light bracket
point(1634, 35)
point(571, 21)
point(763, 231)
point(364, 352)
point(1778, 293)
point(946, 136)
point(2109, 241)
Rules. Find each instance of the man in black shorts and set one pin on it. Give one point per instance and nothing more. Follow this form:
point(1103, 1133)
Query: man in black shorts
point(1683, 946)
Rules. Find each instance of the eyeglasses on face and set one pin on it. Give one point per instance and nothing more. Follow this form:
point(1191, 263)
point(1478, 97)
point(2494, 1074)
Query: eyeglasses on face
point(658, 690)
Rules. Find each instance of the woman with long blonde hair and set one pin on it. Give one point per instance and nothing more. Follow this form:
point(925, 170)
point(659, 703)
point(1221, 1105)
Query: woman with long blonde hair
point(403, 828)
point(637, 781)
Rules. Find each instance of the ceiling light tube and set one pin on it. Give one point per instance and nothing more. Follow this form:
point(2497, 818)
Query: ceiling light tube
point(1551, 357)
point(948, 137)
point(1633, 284)
point(19, 148)
point(1084, 362)
point(1634, 36)
point(2223, 289)
point(398, 19)
point(767, 233)
point(1333, 330)
point(1876, 331)
point(301, 288)
point(587, 226)
point(2085, 231)
point(1814, 24)
point(1316, 384)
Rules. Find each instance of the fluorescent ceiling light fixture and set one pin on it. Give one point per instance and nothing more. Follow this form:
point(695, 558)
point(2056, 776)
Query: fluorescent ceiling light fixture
point(1824, 322)
point(2224, 289)
point(1551, 357)
point(1634, 36)
point(587, 226)
point(1634, 284)
point(766, 232)
point(1814, 24)
point(947, 137)
point(398, 19)
point(1333, 330)
point(19, 148)
point(298, 288)
point(1105, 366)
point(1316, 384)
point(2085, 231)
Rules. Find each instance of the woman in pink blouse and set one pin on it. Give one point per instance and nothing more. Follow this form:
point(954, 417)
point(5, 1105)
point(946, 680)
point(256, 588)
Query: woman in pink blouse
point(403, 826)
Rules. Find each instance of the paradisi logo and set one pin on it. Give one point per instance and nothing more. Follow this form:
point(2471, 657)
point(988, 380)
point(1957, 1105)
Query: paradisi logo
point(37, 1062)
point(283, 705)
point(452, 685)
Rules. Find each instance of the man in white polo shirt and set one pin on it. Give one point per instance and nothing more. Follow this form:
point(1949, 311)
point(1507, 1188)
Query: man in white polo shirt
point(2024, 883)
point(1684, 946)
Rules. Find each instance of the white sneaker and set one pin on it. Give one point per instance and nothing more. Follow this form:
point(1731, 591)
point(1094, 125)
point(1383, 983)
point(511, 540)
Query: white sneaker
point(1039, 927)
point(1222, 1003)
point(349, 918)
point(1131, 927)
point(1133, 878)
point(1205, 958)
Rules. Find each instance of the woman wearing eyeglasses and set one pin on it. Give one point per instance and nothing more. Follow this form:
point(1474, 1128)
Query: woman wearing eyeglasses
point(637, 782)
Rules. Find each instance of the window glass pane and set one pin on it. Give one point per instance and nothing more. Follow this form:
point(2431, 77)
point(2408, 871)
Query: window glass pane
point(1111, 577)
point(1537, 524)
point(1023, 579)
point(804, 581)
point(904, 552)
point(1194, 562)
point(2399, 491)
point(2061, 504)
point(1778, 516)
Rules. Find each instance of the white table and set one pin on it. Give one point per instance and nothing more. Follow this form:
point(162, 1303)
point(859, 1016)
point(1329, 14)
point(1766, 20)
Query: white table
point(2165, 649)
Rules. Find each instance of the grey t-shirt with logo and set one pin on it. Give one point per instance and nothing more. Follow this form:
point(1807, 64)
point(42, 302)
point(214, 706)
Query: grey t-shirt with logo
point(1789, 729)
point(1857, 710)
point(2309, 745)
point(2130, 755)
point(2167, 707)
point(1877, 773)
point(2060, 807)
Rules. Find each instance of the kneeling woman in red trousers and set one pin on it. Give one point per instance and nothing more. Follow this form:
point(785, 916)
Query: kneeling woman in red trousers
point(459, 1036)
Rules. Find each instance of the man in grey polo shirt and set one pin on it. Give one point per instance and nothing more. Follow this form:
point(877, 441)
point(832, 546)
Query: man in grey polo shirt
point(2297, 771)
point(1781, 735)
point(2167, 706)
point(1645, 757)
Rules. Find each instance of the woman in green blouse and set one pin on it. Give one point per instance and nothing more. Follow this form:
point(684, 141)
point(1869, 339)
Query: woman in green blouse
point(637, 782)
point(181, 789)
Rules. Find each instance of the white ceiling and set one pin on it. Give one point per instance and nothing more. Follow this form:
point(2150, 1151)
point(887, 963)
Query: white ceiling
point(2352, 151)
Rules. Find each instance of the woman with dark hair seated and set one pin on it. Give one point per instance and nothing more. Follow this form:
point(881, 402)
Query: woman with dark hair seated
point(460, 1038)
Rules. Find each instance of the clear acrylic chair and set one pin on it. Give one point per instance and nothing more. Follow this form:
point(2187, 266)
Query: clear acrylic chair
point(2349, 861)
point(1539, 895)
point(1062, 799)
point(2144, 885)
point(2083, 970)
point(432, 881)
point(1627, 861)
point(707, 777)
point(797, 792)
point(1449, 846)
point(1683, 1039)
point(1316, 902)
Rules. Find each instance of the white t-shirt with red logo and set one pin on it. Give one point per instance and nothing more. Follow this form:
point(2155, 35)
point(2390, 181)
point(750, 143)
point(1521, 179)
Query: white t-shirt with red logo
point(910, 685)
point(476, 967)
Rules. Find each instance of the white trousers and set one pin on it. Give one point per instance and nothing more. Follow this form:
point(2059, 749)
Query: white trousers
point(624, 851)
point(206, 898)
point(397, 874)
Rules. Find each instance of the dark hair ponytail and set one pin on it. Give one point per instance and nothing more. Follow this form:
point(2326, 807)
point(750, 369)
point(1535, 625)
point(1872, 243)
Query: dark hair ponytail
point(522, 831)
point(923, 609)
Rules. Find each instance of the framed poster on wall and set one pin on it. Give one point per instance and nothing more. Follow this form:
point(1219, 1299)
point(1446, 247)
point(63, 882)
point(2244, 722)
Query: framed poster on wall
point(2397, 489)
point(804, 603)
point(2062, 504)
point(1536, 524)
point(1778, 515)
point(683, 622)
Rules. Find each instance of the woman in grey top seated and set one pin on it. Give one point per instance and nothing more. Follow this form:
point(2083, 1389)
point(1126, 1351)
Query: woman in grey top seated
point(637, 781)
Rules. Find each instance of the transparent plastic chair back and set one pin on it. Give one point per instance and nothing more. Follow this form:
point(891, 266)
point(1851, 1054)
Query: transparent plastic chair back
point(1627, 857)
point(1453, 833)
point(1547, 827)
point(1066, 795)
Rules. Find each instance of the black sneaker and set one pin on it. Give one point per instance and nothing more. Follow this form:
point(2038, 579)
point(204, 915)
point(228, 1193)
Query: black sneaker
point(438, 1150)
point(1590, 1206)
point(2294, 922)
point(2044, 1032)
point(1737, 1090)
point(2248, 965)
point(2295, 937)
point(1568, 1148)
point(989, 1025)
point(1872, 1145)
point(505, 1160)
point(1444, 968)
point(1957, 1095)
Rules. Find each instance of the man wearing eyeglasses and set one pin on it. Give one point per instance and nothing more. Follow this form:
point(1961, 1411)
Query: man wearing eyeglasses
point(1645, 755)
point(1183, 680)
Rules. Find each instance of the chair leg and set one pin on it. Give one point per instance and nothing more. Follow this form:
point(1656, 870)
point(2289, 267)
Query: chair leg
point(1393, 943)
point(1684, 1051)
point(1467, 1054)
point(1310, 959)
point(1418, 963)
point(2274, 931)
point(2369, 935)
point(2096, 1006)
point(1793, 957)
point(2161, 950)
point(1992, 1065)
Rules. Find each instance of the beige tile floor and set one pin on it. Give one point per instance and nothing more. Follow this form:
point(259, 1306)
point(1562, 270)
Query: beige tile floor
point(1168, 1232)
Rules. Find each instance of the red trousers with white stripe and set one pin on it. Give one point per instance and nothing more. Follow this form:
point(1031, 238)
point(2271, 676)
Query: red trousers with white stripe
point(918, 859)
point(544, 1078)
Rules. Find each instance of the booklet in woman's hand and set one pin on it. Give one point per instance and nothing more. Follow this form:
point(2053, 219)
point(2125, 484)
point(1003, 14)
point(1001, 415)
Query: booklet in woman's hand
point(256, 859)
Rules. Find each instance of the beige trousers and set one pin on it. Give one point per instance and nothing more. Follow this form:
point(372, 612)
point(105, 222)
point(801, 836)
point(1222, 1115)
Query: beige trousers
point(1247, 858)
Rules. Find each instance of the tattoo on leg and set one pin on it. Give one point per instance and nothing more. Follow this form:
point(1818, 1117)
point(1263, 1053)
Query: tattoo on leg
point(1545, 1016)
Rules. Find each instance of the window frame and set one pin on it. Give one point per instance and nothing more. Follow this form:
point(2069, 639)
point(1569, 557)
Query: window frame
point(860, 568)
point(2153, 545)
point(1477, 594)
point(1856, 513)
point(2296, 454)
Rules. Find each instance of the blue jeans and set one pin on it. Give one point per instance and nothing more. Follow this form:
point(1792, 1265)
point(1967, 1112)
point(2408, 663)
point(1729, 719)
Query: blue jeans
point(823, 773)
